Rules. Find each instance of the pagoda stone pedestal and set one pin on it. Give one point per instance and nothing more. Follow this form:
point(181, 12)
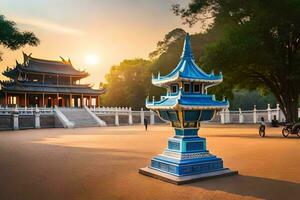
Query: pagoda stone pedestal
point(186, 160)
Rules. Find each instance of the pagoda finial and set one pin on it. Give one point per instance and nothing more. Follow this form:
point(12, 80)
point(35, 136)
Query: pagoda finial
point(187, 49)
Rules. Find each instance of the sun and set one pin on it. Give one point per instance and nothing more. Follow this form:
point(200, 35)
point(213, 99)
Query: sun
point(92, 59)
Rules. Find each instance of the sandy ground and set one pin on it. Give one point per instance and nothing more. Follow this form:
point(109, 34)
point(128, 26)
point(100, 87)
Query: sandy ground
point(102, 163)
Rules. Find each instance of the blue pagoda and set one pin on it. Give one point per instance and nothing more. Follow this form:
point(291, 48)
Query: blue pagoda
point(185, 105)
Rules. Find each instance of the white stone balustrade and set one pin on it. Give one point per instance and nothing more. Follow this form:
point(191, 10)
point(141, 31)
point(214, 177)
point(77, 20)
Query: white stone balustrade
point(142, 116)
point(254, 115)
point(224, 117)
point(241, 116)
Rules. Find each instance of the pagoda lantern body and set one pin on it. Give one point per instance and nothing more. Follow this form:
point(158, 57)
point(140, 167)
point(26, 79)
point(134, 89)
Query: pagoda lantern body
point(185, 105)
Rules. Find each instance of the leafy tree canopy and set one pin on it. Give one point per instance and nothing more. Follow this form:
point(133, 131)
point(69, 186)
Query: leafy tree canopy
point(128, 84)
point(259, 47)
point(12, 38)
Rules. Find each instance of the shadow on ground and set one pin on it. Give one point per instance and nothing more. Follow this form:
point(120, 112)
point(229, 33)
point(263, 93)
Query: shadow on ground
point(253, 186)
point(254, 136)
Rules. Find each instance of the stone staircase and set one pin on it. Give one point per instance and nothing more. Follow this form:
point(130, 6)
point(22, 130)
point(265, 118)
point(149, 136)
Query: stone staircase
point(80, 117)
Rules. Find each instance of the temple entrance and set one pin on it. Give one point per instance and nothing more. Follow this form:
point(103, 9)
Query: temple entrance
point(49, 102)
point(34, 100)
point(60, 102)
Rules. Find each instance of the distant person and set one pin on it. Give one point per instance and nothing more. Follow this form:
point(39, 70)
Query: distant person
point(262, 127)
point(146, 124)
point(274, 122)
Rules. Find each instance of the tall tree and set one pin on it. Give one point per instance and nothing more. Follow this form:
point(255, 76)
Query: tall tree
point(260, 45)
point(128, 84)
point(12, 38)
point(163, 45)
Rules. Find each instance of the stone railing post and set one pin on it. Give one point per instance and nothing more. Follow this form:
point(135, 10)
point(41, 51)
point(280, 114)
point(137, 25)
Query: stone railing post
point(222, 116)
point(117, 117)
point(37, 115)
point(269, 113)
point(254, 115)
point(227, 116)
point(151, 117)
point(277, 111)
point(130, 117)
point(16, 119)
point(241, 116)
point(142, 116)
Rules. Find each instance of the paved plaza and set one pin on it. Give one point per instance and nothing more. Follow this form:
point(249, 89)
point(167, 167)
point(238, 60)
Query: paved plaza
point(102, 163)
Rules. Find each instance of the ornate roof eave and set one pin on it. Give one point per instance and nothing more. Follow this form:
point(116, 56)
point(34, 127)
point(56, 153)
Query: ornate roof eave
point(178, 106)
point(164, 81)
point(176, 78)
point(185, 107)
point(11, 86)
point(9, 72)
point(29, 57)
point(81, 74)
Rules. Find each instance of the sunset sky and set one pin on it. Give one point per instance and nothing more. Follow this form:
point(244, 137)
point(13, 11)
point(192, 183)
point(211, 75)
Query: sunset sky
point(95, 34)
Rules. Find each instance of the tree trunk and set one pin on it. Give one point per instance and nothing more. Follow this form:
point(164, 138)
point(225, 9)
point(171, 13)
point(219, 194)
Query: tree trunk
point(291, 107)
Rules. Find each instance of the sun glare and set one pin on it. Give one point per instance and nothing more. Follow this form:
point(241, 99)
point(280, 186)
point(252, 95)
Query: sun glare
point(92, 59)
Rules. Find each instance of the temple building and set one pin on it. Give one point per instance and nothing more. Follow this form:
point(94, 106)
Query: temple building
point(39, 82)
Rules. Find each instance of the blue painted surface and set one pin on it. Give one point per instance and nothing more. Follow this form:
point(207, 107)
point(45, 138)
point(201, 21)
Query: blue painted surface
point(187, 168)
point(186, 153)
point(187, 68)
point(196, 100)
point(186, 132)
point(174, 145)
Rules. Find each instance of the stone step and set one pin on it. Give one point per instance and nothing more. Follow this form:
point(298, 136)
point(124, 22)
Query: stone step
point(80, 117)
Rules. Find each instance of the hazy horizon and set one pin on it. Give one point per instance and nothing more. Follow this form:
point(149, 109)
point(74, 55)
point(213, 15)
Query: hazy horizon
point(107, 30)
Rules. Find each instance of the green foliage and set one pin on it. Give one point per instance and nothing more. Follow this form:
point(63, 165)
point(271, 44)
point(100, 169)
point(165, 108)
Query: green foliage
point(247, 44)
point(170, 38)
point(259, 47)
point(128, 84)
point(12, 38)
point(122, 90)
point(246, 100)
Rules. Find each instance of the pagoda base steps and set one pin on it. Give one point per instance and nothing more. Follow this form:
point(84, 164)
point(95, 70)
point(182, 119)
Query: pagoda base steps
point(179, 180)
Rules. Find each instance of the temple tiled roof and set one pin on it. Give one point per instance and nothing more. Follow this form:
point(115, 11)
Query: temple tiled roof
point(11, 72)
point(43, 66)
point(44, 88)
point(49, 66)
point(187, 70)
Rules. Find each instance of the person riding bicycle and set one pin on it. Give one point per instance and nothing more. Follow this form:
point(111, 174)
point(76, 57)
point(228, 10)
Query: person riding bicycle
point(262, 127)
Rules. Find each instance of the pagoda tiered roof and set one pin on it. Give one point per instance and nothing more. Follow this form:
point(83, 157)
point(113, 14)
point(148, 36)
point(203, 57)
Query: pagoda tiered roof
point(43, 66)
point(190, 102)
point(187, 70)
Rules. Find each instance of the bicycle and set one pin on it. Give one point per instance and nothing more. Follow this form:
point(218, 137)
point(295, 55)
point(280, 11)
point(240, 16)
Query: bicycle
point(293, 129)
